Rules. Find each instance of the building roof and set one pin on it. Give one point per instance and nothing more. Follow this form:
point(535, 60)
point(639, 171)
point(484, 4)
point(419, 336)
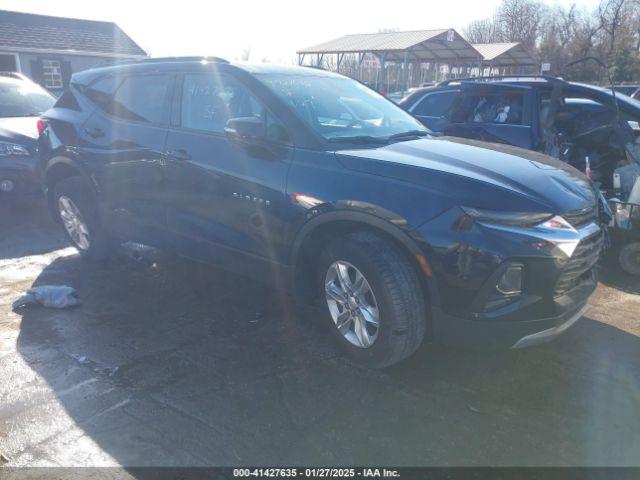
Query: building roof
point(425, 45)
point(504, 54)
point(31, 32)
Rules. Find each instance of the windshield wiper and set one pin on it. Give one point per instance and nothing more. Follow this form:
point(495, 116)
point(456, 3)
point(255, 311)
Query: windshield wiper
point(410, 133)
point(359, 139)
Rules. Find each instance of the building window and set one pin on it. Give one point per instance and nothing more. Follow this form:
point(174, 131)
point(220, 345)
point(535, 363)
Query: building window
point(8, 63)
point(52, 73)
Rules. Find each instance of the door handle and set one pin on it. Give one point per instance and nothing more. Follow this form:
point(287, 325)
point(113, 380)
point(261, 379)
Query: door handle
point(179, 154)
point(94, 132)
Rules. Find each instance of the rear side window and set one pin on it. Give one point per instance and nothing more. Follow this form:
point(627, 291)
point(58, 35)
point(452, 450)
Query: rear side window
point(144, 98)
point(435, 104)
point(101, 92)
point(68, 100)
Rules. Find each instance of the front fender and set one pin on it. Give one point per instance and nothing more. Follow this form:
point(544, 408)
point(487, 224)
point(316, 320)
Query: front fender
point(371, 216)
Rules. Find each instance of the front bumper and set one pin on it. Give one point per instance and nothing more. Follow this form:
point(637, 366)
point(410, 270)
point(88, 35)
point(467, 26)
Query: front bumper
point(531, 320)
point(559, 276)
point(550, 333)
point(457, 331)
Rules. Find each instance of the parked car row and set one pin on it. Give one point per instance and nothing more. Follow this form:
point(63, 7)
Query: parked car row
point(312, 181)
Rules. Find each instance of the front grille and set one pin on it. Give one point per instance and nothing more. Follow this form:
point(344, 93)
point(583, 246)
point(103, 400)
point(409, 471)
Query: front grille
point(580, 265)
point(580, 218)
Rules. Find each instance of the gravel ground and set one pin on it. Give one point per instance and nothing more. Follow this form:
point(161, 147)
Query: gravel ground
point(172, 363)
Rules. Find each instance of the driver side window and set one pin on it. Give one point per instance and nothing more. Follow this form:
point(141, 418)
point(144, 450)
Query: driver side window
point(210, 100)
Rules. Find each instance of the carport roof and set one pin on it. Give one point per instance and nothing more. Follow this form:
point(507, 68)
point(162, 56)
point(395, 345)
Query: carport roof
point(504, 53)
point(423, 45)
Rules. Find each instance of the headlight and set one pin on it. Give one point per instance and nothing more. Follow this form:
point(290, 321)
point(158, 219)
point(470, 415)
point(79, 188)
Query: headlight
point(13, 149)
point(512, 219)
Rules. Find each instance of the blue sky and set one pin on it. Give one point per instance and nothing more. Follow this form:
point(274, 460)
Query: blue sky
point(271, 29)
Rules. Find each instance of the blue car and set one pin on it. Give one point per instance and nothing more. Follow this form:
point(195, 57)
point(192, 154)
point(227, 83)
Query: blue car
point(570, 121)
point(314, 183)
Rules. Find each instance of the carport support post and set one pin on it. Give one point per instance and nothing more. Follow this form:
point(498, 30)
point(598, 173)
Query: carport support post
point(405, 65)
point(380, 78)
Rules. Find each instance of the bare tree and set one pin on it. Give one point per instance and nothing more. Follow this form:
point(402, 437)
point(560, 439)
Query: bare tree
point(567, 23)
point(521, 21)
point(481, 31)
point(561, 35)
point(610, 14)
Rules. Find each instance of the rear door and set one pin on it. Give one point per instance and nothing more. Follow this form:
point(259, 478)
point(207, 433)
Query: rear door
point(224, 197)
point(123, 141)
point(433, 107)
point(493, 112)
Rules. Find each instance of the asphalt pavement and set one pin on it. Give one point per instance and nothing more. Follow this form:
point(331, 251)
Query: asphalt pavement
point(173, 363)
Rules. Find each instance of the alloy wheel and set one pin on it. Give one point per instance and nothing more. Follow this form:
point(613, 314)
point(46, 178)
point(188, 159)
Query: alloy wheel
point(73, 222)
point(352, 304)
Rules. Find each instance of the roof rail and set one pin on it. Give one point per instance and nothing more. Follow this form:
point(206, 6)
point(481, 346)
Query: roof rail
point(137, 61)
point(499, 78)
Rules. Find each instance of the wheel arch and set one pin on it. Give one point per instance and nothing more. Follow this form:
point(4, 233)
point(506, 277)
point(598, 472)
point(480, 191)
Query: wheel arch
point(326, 226)
point(57, 169)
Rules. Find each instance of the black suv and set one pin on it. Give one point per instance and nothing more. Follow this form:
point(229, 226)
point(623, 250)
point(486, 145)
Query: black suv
point(302, 175)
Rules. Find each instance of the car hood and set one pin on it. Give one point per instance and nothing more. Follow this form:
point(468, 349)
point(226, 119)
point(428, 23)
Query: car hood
point(22, 130)
point(464, 168)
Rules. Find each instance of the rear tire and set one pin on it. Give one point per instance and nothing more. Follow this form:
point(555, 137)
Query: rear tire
point(77, 211)
point(391, 290)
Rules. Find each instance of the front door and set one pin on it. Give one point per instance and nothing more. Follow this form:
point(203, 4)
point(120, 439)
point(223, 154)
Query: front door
point(225, 197)
point(432, 109)
point(494, 113)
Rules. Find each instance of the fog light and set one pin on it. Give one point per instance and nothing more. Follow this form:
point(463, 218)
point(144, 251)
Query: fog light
point(7, 185)
point(510, 282)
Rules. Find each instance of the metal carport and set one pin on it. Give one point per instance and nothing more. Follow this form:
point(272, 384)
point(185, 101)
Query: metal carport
point(433, 47)
point(506, 57)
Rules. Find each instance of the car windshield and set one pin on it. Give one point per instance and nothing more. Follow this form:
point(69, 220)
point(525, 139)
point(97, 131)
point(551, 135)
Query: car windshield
point(23, 99)
point(339, 108)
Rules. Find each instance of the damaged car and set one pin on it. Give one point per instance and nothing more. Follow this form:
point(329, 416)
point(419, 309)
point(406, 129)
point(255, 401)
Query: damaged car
point(309, 180)
point(591, 128)
point(594, 129)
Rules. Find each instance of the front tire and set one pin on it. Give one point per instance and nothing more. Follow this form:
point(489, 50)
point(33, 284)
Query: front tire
point(629, 258)
point(76, 208)
point(373, 298)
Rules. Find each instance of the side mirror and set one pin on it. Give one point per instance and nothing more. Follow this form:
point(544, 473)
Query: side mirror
point(248, 129)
